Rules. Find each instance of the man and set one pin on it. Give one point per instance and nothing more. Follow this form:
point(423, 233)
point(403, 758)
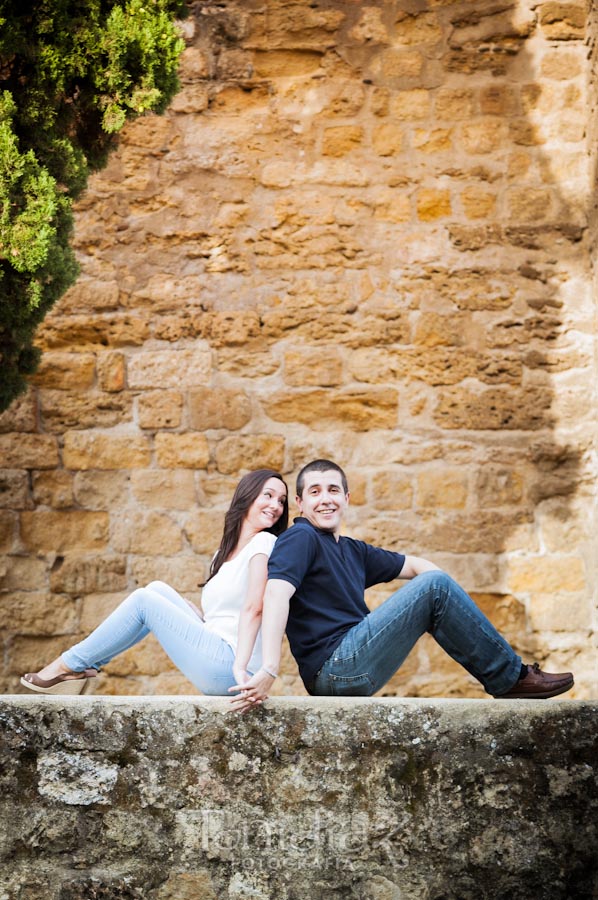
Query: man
point(316, 582)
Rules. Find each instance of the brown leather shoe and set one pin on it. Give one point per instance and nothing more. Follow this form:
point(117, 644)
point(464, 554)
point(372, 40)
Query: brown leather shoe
point(538, 685)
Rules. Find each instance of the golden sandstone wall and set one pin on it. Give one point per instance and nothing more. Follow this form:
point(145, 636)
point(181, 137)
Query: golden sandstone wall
point(364, 231)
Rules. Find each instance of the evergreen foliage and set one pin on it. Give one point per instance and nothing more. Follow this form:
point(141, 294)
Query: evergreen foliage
point(71, 73)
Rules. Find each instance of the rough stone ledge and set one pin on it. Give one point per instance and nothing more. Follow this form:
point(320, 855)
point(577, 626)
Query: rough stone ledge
point(372, 799)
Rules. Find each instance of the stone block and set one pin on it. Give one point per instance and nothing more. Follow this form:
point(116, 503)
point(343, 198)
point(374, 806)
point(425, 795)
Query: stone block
point(19, 450)
point(54, 488)
point(89, 331)
point(233, 329)
point(560, 611)
point(478, 203)
point(417, 28)
point(14, 489)
point(492, 409)
point(499, 486)
point(563, 21)
point(321, 410)
point(561, 65)
point(97, 450)
point(169, 368)
point(203, 530)
point(184, 572)
point(193, 98)
point(391, 490)
point(454, 104)
point(409, 104)
point(341, 139)
point(433, 204)
point(370, 28)
point(446, 489)
point(21, 415)
point(182, 451)
point(159, 409)
point(23, 573)
point(499, 100)
point(82, 573)
point(63, 410)
point(249, 364)
point(96, 607)
point(111, 371)
point(437, 141)
point(546, 575)
point(101, 490)
point(313, 367)
point(529, 204)
point(195, 64)
point(37, 613)
point(218, 408)
point(65, 370)
point(8, 530)
point(49, 531)
point(89, 295)
point(484, 136)
point(135, 531)
point(26, 651)
point(285, 63)
point(392, 66)
point(387, 139)
point(250, 451)
point(393, 206)
point(164, 489)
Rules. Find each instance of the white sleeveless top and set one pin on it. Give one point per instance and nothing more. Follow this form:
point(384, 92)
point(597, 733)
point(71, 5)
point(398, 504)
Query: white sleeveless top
point(224, 595)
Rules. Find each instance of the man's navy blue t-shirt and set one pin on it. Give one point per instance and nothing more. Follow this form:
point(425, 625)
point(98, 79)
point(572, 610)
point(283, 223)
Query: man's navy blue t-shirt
point(329, 578)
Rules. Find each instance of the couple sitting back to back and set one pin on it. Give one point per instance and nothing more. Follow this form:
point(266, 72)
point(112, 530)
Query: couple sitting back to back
point(309, 581)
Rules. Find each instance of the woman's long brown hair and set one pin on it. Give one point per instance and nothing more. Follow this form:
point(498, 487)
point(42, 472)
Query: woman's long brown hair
point(247, 490)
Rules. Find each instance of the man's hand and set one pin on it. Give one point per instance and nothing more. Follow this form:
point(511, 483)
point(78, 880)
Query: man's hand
point(251, 693)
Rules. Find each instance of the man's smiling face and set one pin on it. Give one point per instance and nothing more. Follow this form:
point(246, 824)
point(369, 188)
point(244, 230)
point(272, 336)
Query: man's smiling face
point(324, 500)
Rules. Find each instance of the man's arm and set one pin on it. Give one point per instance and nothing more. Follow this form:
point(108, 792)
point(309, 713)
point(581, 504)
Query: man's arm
point(414, 565)
point(274, 621)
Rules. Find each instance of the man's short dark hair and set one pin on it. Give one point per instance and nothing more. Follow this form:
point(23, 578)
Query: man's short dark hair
point(320, 465)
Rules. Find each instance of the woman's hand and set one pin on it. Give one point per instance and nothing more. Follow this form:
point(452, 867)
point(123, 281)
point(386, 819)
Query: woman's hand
point(251, 693)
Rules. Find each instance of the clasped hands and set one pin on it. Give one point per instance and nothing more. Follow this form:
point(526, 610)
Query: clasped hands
point(250, 690)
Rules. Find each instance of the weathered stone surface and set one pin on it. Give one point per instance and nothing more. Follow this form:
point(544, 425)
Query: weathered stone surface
point(78, 574)
point(185, 451)
point(66, 370)
point(37, 613)
point(54, 488)
point(250, 451)
point(323, 409)
point(218, 408)
point(14, 489)
point(145, 532)
point(28, 451)
point(182, 798)
point(169, 368)
point(96, 450)
point(48, 530)
point(160, 409)
point(164, 489)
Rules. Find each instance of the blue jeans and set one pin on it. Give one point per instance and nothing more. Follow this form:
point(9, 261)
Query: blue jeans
point(202, 656)
point(372, 651)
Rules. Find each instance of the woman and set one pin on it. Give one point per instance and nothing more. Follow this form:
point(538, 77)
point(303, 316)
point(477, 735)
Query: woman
point(215, 652)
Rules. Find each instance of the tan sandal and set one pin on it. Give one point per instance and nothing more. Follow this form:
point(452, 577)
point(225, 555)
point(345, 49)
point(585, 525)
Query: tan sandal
point(62, 684)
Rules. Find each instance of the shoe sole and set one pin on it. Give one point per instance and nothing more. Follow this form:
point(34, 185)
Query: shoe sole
point(537, 695)
point(69, 687)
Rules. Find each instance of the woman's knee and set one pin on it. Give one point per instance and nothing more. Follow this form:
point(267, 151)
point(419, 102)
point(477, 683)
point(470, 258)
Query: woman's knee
point(159, 587)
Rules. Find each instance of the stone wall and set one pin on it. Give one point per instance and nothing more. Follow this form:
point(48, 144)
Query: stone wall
point(164, 799)
point(361, 231)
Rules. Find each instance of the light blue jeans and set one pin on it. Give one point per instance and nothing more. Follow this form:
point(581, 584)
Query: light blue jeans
point(202, 656)
point(372, 651)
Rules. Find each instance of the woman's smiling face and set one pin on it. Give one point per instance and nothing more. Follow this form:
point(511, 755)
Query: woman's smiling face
point(268, 506)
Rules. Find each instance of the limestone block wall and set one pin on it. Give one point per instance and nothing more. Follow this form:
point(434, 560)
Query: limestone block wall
point(308, 799)
point(363, 231)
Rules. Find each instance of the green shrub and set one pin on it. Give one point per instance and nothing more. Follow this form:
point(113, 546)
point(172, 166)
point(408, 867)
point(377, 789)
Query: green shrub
point(72, 72)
